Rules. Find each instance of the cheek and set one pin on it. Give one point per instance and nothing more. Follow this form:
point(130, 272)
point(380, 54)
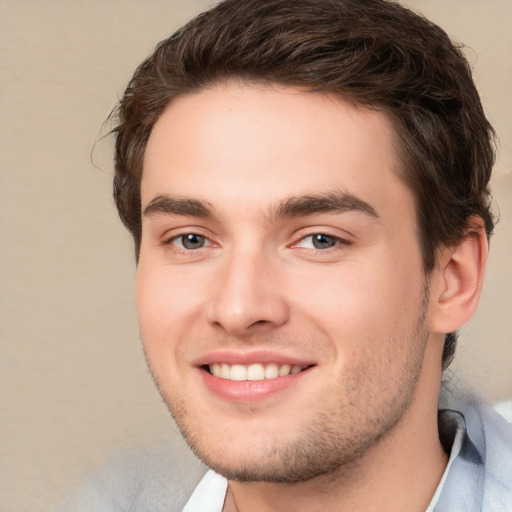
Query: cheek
point(164, 299)
point(163, 316)
point(360, 303)
point(152, 299)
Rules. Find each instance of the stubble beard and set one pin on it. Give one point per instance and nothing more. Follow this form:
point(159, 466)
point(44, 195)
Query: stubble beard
point(333, 441)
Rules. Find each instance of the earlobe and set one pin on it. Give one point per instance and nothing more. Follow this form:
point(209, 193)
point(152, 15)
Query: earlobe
point(459, 279)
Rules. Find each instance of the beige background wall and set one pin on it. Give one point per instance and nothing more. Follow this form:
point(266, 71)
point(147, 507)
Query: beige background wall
point(74, 387)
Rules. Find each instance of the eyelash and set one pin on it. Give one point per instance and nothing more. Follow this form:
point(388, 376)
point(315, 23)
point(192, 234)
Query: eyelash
point(336, 241)
point(181, 236)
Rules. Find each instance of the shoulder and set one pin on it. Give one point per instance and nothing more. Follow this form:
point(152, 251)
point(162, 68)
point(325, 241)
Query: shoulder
point(481, 475)
point(156, 479)
point(498, 456)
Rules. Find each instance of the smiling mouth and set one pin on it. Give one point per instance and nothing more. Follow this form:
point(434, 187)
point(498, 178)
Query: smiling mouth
point(253, 372)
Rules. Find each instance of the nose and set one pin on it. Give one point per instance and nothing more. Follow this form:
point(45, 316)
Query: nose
point(248, 297)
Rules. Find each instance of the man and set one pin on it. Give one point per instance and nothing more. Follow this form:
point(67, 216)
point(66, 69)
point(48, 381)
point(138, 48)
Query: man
point(307, 187)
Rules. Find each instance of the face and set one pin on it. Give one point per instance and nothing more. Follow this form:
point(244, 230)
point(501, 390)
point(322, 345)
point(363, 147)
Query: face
point(280, 290)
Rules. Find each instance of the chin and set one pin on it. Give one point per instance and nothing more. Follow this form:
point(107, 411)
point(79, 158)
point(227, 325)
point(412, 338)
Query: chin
point(319, 449)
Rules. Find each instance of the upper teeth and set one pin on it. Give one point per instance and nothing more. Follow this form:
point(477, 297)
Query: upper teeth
point(256, 371)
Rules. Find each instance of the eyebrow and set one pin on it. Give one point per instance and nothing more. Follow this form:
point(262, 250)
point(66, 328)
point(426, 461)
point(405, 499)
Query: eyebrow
point(296, 206)
point(173, 205)
point(330, 202)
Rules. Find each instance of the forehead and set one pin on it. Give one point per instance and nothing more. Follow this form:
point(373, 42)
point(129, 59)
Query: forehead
point(251, 144)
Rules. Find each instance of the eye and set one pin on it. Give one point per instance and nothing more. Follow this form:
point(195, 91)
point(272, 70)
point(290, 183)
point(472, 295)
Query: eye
point(318, 241)
point(189, 241)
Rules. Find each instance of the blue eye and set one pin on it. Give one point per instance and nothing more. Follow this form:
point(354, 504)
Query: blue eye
point(323, 241)
point(318, 241)
point(190, 241)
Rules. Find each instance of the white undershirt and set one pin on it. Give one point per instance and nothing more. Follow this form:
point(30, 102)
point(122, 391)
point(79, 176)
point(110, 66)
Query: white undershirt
point(209, 495)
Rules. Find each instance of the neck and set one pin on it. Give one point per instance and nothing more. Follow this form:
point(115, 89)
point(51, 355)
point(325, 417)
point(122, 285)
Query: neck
point(400, 472)
point(397, 487)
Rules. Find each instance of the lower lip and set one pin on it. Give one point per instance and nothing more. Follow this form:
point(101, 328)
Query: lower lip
point(247, 391)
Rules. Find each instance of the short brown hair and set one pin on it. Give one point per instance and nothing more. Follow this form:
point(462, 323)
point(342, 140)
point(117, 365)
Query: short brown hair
point(373, 52)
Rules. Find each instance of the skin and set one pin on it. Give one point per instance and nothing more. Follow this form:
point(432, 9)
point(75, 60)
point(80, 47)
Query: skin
point(347, 433)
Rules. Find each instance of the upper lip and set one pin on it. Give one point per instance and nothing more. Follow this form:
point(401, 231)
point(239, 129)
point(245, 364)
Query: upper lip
point(251, 357)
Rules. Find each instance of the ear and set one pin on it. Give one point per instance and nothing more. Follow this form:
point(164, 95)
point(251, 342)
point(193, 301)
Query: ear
point(458, 279)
